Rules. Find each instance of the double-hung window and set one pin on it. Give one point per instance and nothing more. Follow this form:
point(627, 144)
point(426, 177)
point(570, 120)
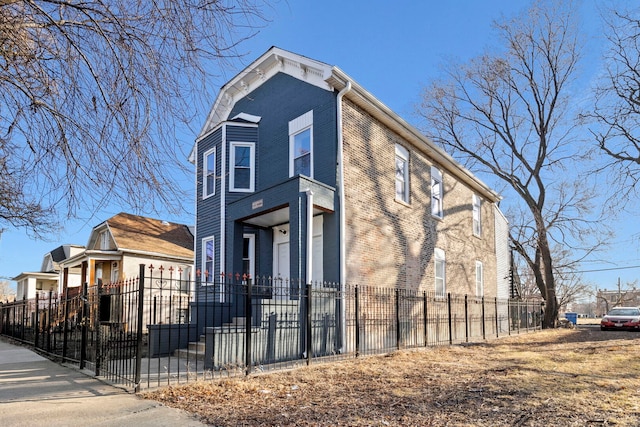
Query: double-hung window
point(242, 160)
point(439, 264)
point(477, 216)
point(479, 279)
point(301, 145)
point(209, 173)
point(402, 174)
point(208, 253)
point(436, 192)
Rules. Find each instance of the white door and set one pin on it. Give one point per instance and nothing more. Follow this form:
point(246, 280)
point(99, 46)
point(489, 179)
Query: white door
point(317, 271)
point(281, 270)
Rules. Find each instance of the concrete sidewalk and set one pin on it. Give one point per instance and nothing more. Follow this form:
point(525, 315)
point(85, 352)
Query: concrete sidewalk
point(36, 391)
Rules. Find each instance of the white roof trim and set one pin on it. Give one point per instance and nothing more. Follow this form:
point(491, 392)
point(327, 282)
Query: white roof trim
point(330, 78)
point(247, 118)
point(274, 61)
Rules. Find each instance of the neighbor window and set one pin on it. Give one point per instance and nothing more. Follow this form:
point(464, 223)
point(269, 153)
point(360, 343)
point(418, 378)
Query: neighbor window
point(439, 264)
point(479, 279)
point(436, 192)
point(301, 145)
point(477, 215)
point(402, 174)
point(104, 240)
point(242, 166)
point(207, 259)
point(209, 173)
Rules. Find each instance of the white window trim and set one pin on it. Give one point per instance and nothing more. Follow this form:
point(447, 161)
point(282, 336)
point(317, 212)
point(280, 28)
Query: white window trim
point(232, 168)
point(477, 215)
point(439, 256)
point(296, 126)
point(436, 177)
point(403, 154)
point(206, 173)
point(479, 279)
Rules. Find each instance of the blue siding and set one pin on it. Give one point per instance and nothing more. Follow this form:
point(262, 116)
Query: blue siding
point(277, 101)
point(208, 210)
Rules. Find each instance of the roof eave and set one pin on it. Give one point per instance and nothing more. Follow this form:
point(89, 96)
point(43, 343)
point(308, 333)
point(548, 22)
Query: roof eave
point(374, 106)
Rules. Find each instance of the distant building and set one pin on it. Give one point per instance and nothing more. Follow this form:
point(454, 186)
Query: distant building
point(607, 299)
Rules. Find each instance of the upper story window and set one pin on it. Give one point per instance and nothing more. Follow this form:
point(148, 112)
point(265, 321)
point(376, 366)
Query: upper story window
point(402, 174)
point(209, 173)
point(436, 192)
point(479, 279)
point(439, 264)
point(477, 215)
point(301, 145)
point(242, 160)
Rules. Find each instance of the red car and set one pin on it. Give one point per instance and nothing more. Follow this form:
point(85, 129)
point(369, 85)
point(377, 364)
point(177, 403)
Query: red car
point(618, 318)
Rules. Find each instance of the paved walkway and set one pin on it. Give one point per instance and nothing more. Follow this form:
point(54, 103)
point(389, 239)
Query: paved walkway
point(36, 391)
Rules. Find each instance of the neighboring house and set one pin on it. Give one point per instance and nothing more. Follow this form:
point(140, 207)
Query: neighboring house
point(303, 174)
point(116, 249)
point(118, 246)
point(49, 277)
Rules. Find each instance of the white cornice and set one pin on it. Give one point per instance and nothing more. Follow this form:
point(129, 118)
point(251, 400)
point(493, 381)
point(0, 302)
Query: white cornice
point(330, 78)
point(274, 61)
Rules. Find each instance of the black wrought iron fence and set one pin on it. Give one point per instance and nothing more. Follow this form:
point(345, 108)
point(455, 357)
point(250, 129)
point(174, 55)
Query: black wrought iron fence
point(159, 329)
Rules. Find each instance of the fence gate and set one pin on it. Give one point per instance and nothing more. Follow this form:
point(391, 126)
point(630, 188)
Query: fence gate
point(118, 320)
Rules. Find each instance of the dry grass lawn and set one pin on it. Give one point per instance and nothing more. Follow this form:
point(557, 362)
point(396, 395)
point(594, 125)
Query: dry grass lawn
point(563, 377)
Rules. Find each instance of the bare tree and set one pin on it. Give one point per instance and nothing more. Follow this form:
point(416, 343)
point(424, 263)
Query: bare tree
point(617, 107)
point(94, 93)
point(506, 116)
point(7, 292)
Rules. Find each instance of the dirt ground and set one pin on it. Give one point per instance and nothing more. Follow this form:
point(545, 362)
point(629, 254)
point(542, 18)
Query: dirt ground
point(562, 377)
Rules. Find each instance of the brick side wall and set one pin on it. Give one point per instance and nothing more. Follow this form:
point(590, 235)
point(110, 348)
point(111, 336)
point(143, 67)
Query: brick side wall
point(390, 243)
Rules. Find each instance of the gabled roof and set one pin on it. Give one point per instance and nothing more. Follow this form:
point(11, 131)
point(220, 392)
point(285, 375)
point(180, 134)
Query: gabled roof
point(140, 234)
point(330, 78)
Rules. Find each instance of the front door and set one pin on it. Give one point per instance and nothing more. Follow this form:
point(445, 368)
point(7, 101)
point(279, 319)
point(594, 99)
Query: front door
point(281, 265)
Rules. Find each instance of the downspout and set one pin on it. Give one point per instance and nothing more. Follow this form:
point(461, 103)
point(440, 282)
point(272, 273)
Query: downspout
point(223, 200)
point(343, 226)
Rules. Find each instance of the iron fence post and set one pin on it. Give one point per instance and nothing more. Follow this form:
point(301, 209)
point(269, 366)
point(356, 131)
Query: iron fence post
point(450, 319)
point(48, 327)
point(139, 326)
point(398, 339)
point(37, 322)
point(85, 319)
point(497, 323)
point(247, 338)
point(357, 321)
point(466, 318)
point(309, 343)
point(65, 338)
point(484, 332)
point(98, 328)
point(424, 315)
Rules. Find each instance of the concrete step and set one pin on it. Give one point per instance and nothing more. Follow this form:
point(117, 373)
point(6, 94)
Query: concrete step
point(187, 354)
point(197, 346)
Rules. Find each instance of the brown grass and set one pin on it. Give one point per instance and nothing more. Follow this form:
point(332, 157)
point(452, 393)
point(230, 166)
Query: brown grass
point(579, 377)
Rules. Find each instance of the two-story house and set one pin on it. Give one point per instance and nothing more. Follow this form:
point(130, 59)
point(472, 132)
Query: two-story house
point(302, 173)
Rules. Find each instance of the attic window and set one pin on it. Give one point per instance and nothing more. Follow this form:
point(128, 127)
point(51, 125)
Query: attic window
point(104, 240)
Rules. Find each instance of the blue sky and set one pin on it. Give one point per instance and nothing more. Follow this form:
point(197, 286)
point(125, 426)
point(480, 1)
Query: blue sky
point(392, 51)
